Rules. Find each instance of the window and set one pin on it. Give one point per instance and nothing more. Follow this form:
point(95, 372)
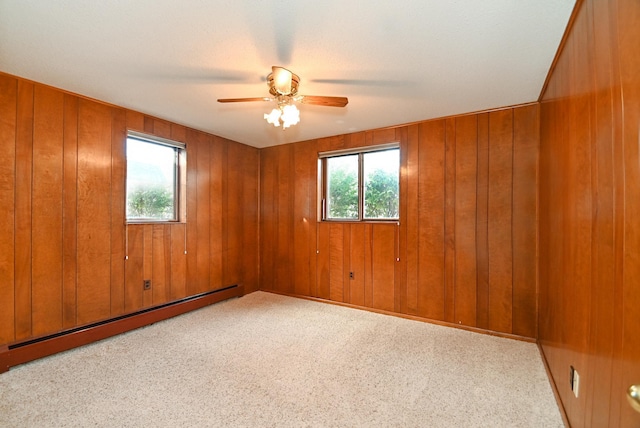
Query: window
point(155, 177)
point(361, 184)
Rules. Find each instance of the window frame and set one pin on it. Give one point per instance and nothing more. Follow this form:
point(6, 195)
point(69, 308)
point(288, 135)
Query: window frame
point(179, 179)
point(323, 182)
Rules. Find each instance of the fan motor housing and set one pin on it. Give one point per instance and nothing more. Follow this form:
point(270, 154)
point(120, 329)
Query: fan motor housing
point(295, 81)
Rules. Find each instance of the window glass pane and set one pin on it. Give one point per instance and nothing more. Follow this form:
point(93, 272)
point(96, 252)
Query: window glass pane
point(381, 189)
point(151, 176)
point(342, 187)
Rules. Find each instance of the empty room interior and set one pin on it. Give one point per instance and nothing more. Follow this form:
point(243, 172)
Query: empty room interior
point(296, 213)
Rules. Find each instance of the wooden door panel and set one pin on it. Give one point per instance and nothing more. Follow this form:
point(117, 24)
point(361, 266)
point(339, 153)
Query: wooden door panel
point(629, 19)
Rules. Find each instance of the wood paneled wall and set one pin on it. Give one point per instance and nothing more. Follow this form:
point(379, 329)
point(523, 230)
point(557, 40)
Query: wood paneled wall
point(62, 206)
point(465, 249)
point(590, 214)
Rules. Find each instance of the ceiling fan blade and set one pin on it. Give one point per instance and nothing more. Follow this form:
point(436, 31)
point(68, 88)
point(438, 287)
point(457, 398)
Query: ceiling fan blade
point(366, 82)
point(242, 100)
point(324, 101)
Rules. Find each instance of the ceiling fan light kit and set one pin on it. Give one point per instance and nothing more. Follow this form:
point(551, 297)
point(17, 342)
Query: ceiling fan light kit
point(288, 114)
point(283, 86)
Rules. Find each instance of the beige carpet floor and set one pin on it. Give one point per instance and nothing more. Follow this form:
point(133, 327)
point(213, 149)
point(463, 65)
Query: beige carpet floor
point(266, 360)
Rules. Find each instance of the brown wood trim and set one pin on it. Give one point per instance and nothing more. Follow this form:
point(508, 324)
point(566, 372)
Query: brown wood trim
point(32, 349)
point(554, 388)
point(411, 317)
point(563, 41)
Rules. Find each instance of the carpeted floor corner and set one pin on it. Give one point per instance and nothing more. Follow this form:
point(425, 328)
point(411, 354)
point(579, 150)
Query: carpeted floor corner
point(266, 360)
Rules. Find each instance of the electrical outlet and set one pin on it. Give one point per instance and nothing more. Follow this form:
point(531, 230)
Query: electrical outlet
point(574, 380)
point(147, 284)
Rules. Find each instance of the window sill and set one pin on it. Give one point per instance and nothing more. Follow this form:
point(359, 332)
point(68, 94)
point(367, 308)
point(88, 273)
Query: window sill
point(368, 221)
point(142, 222)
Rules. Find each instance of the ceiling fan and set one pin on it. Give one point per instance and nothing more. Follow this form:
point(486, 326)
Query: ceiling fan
point(283, 87)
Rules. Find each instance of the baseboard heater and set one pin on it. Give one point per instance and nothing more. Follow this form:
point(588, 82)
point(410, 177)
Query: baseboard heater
point(32, 349)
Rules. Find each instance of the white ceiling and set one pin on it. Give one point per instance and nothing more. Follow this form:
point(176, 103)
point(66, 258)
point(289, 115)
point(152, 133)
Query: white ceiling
point(397, 61)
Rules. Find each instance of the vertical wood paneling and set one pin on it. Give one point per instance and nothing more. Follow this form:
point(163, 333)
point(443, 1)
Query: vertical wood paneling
point(233, 194)
point(69, 212)
point(94, 211)
point(23, 204)
point(589, 176)
point(161, 128)
point(411, 261)
point(284, 250)
point(400, 248)
point(118, 209)
point(525, 167)
point(323, 263)
point(8, 102)
point(161, 269)
point(46, 286)
point(465, 220)
point(134, 268)
point(383, 266)
point(431, 219)
point(450, 219)
point(368, 265)
point(251, 226)
point(457, 184)
point(147, 263)
point(482, 223)
point(268, 214)
point(218, 204)
point(178, 263)
point(346, 264)
point(63, 204)
point(203, 225)
point(303, 160)
point(192, 214)
point(336, 262)
point(357, 264)
point(135, 121)
point(499, 220)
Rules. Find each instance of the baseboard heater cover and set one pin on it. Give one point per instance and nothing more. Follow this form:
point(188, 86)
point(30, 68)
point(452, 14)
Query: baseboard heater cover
point(32, 349)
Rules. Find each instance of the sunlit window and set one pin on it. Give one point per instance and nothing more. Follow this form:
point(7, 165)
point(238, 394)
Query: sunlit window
point(153, 178)
point(361, 185)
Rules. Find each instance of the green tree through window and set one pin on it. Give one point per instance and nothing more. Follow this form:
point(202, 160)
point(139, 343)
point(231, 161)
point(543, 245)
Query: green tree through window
point(343, 187)
point(150, 202)
point(379, 173)
point(153, 178)
point(381, 195)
